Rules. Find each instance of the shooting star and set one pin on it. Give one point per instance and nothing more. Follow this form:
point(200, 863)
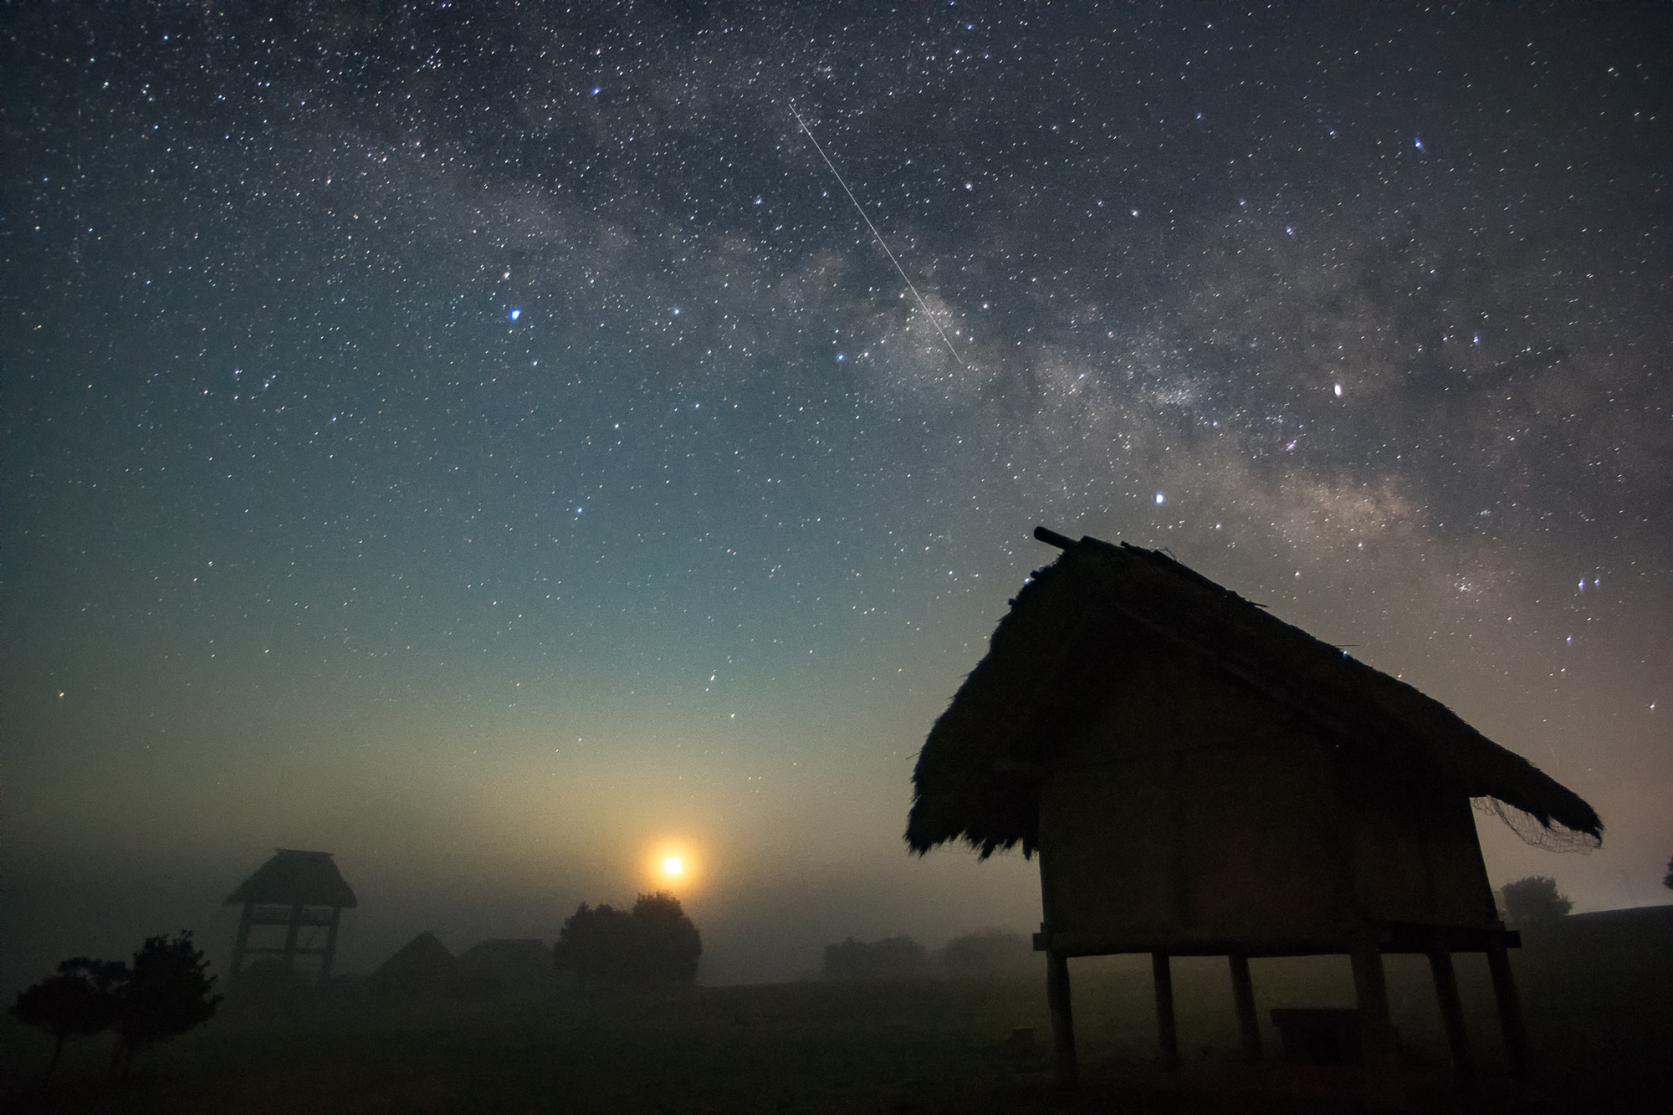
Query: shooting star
point(878, 236)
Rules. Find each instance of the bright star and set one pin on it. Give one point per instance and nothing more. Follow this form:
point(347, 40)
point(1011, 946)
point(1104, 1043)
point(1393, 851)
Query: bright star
point(514, 313)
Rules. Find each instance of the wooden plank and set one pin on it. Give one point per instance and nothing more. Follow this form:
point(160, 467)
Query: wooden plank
point(238, 947)
point(1382, 1068)
point(1167, 1027)
point(1243, 998)
point(330, 951)
point(1452, 1015)
point(1062, 1019)
point(290, 937)
point(1510, 1011)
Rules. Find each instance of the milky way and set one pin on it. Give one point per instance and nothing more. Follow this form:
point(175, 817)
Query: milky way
point(486, 435)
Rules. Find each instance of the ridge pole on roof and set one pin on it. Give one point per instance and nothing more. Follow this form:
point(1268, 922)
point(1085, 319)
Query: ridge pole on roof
point(1052, 538)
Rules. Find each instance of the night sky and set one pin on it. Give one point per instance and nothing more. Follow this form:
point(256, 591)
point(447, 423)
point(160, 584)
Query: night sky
point(485, 442)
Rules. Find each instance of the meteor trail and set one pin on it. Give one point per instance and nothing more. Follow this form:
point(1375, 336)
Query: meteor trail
point(878, 236)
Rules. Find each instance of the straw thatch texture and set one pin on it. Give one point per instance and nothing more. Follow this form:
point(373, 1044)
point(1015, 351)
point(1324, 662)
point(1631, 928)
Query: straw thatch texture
point(1055, 659)
point(292, 877)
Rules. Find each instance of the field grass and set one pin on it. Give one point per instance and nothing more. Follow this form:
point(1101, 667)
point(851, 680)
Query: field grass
point(1599, 998)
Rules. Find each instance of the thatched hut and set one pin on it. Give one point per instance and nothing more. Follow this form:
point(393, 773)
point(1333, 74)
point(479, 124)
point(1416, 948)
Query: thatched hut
point(1198, 777)
point(422, 967)
point(294, 891)
point(519, 965)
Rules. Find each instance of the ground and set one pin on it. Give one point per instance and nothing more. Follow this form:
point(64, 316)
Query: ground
point(1598, 992)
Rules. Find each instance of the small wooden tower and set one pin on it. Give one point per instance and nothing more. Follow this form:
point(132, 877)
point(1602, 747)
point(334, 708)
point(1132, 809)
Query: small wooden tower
point(292, 891)
point(1199, 778)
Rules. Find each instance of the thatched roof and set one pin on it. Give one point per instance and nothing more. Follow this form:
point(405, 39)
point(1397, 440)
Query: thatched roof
point(1053, 657)
point(517, 964)
point(310, 878)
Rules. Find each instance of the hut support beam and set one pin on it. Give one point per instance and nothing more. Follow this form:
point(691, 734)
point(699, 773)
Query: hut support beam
point(1167, 1029)
point(242, 941)
point(330, 946)
point(1510, 1010)
point(291, 932)
point(1452, 1014)
point(1376, 1027)
point(1243, 996)
point(1062, 1019)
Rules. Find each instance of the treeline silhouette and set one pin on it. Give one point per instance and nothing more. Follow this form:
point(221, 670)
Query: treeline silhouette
point(989, 952)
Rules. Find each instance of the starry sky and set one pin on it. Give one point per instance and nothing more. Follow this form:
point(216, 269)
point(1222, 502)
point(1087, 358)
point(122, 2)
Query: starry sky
point(485, 441)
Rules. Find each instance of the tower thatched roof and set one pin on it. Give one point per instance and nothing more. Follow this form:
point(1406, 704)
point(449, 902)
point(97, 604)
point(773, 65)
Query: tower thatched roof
point(292, 876)
point(1054, 658)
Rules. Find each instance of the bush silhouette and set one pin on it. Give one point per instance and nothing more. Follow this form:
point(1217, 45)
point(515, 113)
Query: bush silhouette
point(167, 992)
point(890, 958)
point(654, 943)
point(987, 952)
point(78, 1001)
point(1533, 900)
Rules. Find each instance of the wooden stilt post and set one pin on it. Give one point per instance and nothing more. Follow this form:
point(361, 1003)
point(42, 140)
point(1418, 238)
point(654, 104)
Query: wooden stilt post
point(291, 932)
point(242, 941)
point(330, 946)
point(1062, 1019)
point(1452, 1014)
point(1243, 996)
point(1510, 1010)
point(1167, 1028)
point(1376, 1027)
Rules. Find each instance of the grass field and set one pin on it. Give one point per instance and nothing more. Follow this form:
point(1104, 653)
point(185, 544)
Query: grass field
point(1598, 993)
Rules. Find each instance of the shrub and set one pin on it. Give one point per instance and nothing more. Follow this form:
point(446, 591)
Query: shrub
point(168, 991)
point(890, 958)
point(78, 1001)
point(1533, 900)
point(654, 943)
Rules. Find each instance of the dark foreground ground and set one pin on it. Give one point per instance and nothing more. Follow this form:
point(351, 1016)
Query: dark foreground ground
point(1598, 992)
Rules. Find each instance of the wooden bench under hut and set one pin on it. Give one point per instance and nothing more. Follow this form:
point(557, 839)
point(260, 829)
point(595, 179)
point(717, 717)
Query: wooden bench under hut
point(1199, 778)
point(296, 892)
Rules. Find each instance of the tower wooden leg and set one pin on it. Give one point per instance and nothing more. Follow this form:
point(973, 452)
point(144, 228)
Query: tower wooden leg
point(1062, 1018)
point(1510, 1010)
point(1243, 997)
point(1376, 1027)
point(1167, 1028)
point(330, 946)
point(242, 942)
point(1452, 1014)
point(291, 932)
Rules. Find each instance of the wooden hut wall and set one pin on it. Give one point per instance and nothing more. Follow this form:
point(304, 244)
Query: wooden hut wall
point(1191, 807)
point(1415, 855)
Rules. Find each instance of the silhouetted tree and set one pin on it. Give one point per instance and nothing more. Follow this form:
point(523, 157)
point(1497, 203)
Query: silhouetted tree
point(167, 992)
point(1533, 900)
point(655, 942)
point(1668, 882)
point(890, 958)
point(668, 940)
point(78, 1001)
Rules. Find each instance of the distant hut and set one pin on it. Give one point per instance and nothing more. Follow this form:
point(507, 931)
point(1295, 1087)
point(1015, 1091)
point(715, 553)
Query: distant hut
point(293, 891)
point(1199, 778)
point(518, 965)
point(421, 967)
